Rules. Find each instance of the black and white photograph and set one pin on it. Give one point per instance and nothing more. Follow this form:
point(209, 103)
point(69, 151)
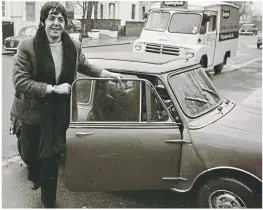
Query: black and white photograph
point(132, 104)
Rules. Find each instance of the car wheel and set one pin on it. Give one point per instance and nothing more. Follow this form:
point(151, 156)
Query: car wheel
point(226, 193)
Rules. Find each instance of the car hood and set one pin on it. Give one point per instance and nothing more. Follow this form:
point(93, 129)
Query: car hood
point(247, 116)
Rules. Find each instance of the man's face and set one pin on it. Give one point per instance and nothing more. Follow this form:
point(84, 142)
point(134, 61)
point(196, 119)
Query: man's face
point(54, 25)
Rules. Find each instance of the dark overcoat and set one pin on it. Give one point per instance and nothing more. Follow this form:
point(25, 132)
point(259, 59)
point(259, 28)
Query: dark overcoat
point(26, 105)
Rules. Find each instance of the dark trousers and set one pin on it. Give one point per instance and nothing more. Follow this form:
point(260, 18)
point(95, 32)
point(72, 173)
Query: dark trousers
point(43, 171)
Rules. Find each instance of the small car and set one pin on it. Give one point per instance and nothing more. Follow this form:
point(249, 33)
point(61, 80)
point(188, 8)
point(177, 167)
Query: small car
point(259, 41)
point(248, 29)
point(73, 26)
point(11, 43)
point(163, 126)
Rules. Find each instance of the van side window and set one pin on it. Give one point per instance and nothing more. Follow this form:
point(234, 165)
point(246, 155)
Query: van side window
point(212, 23)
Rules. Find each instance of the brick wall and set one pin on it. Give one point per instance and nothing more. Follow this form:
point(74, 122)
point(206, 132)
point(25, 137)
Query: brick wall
point(134, 28)
point(104, 24)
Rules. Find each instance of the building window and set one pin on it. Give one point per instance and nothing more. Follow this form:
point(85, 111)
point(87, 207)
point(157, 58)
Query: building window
point(143, 12)
point(133, 12)
point(101, 11)
point(30, 11)
point(3, 8)
point(111, 10)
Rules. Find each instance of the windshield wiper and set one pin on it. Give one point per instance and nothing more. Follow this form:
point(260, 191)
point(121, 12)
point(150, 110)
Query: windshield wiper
point(197, 99)
point(190, 16)
point(211, 92)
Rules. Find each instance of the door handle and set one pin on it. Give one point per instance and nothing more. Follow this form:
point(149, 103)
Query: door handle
point(79, 134)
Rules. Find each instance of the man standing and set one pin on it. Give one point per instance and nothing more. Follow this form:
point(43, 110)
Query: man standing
point(45, 66)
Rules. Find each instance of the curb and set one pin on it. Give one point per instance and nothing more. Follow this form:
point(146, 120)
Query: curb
point(104, 45)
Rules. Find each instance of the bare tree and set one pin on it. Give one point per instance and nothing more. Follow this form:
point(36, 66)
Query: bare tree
point(244, 8)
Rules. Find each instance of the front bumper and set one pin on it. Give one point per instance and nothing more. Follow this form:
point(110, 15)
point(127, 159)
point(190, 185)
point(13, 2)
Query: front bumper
point(246, 33)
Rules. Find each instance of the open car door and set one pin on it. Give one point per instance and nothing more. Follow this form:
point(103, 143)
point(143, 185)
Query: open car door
point(119, 137)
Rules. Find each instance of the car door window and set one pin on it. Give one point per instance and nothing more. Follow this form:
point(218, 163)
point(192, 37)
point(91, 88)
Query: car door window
point(107, 100)
point(132, 100)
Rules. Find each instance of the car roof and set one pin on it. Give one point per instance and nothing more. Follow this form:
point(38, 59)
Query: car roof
point(147, 63)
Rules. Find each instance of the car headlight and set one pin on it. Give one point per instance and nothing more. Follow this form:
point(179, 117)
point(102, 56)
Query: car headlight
point(189, 53)
point(138, 47)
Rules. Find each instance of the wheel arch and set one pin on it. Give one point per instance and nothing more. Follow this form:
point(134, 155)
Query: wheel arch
point(227, 55)
point(239, 174)
point(205, 58)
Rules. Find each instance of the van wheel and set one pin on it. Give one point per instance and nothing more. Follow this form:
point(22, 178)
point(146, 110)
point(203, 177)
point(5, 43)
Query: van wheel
point(218, 68)
point(258, 45)
point(226, 193)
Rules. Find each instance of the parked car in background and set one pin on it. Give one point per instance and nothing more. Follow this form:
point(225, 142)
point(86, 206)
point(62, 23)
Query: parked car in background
point(248, 29)
point(11, 43)
point(167, 121)
point(259, 41)
point(73, 26)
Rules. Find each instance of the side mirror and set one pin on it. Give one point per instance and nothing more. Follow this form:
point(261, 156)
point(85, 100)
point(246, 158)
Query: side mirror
point(202, 30)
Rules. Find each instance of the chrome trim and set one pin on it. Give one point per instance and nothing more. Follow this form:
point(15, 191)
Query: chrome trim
point(212, 169)
point(79, 134)
point(178, 141)
point(174, 178)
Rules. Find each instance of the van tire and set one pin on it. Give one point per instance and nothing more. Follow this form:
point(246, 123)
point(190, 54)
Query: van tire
point(218, 68)
point(258, 45)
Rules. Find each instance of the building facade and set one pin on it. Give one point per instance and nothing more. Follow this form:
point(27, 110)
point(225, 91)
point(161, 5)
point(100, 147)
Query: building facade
point(24, 13)
point(122, 10)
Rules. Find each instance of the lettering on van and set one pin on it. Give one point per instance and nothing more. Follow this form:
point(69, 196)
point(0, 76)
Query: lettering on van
point(225, 14)
point(228, 35)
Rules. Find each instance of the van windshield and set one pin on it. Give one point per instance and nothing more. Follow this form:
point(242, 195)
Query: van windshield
point(186, 23)
point(157, 21)
point(194, 91)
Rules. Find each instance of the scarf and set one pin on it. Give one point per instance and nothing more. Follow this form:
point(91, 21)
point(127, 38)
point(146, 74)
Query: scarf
point(55, 108)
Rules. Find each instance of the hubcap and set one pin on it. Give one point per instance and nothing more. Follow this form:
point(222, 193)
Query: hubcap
point(225, 199)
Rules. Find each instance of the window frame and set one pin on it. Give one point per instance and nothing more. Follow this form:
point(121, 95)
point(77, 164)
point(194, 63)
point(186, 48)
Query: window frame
point(170, 118)
point(178, 101)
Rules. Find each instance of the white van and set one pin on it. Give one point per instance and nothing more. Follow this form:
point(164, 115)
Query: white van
point(209, 30)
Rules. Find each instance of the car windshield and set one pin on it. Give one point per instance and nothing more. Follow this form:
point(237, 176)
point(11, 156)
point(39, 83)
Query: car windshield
point(157, 21)
point(186, 23)
point(29, 31)
point(194, 91)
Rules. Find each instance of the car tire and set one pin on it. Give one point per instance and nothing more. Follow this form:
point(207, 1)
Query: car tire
point(226, 192)
point(258, 45)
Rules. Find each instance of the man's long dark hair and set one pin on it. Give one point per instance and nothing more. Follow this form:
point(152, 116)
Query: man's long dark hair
point(56, 8)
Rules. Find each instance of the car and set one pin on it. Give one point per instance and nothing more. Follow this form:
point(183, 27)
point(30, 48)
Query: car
point(11, 43)
point(259, 41)
point(164, 126)
point(248, 29)
point(73, 26)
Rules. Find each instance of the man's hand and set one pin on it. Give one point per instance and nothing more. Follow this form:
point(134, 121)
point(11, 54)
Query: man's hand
point(64, 88)
point(108, 74)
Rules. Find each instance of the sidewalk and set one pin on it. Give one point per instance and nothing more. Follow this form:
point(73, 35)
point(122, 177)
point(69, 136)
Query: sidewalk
point(101, 42)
